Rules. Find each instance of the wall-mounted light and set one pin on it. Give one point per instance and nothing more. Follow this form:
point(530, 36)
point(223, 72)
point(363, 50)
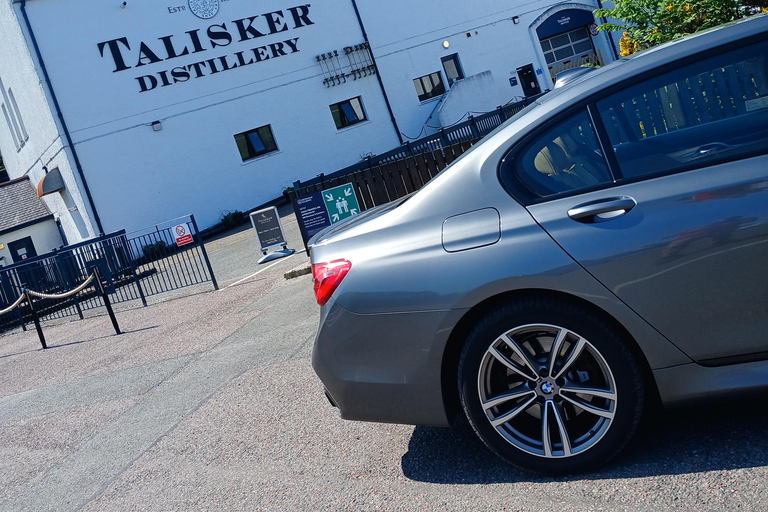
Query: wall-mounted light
point(446, 44)
point(122, 5)
point(157, 126)
point(515, 19)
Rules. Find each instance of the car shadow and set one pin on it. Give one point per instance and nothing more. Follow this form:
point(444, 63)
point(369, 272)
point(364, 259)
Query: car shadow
point(698, 439)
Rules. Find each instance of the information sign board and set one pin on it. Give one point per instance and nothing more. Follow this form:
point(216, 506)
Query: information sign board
point(341, 202)
point(269, 231)
point(182, 235)
point(312, 214)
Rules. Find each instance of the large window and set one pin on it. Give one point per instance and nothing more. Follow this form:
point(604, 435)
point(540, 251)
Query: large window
point(255, 142)
point(711, 111)
point(452, 68)
point(348, 112)
point(429, 86)
point(565, 158)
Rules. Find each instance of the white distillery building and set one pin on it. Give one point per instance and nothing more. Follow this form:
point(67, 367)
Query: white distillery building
point(138, 111)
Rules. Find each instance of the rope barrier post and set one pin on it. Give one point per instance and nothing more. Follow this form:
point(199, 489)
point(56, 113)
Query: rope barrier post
point(104, 296)
point(36, 319)
point(20, 318)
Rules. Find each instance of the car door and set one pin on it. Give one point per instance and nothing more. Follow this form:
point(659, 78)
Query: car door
point(682, 235)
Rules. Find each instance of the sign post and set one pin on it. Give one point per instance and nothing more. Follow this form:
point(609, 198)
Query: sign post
point(269, 233)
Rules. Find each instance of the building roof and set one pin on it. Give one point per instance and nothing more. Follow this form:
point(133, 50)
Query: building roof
point(19, 205)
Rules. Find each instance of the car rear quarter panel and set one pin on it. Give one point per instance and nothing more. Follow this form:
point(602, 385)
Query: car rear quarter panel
point(399, 264)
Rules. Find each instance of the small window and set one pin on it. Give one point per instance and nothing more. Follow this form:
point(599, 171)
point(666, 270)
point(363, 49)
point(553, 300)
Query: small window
point(701, 114)
point(12, 117)
point(347, 113)
point(429, 86)
point(255, 142)
point(14, 134)
point(563, 159)
point(24, 133)
point(452, 68)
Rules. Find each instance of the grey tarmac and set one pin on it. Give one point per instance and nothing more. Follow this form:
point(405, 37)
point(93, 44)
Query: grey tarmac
point(209, 402)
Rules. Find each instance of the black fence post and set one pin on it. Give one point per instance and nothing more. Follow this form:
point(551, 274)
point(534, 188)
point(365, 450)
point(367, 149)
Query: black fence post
point(444, 140)
point(473, 127)
point(67, 275)
point(105, 297)
point(8, 289)
point(137, 282)
point(296, 187)
point(36, 319)
point(205, 254)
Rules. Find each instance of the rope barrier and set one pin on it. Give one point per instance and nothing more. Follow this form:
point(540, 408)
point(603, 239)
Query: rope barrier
point(13, 306)
point(28, 294)
point(62, 295)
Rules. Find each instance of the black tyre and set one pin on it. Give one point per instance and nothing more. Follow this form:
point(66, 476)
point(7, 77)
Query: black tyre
point(550, 386)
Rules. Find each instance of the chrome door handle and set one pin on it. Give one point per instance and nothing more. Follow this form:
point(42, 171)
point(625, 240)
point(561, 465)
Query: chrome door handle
point(619, 205)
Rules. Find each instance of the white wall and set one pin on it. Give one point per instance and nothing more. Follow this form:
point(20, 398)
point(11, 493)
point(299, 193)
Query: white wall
point(139, 176)
point(44, 145)
point(408, 37)
point(407, 40)
point(45, 236)
point(465, 95)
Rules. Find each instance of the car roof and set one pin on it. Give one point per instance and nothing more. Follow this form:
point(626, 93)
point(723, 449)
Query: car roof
point(568, 76)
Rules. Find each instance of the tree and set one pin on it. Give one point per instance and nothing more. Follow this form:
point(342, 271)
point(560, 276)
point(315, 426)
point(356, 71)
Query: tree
point(647, 23)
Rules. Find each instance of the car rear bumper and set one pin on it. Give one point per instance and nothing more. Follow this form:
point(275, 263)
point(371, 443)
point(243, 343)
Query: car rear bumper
point(372, 376)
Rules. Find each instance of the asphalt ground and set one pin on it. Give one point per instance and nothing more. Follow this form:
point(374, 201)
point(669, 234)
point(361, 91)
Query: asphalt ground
point(209, 402)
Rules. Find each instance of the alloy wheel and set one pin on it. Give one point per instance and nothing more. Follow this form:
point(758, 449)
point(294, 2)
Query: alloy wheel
point(547, 390)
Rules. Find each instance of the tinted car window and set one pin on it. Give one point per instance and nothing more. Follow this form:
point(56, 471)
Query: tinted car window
point(565, 158)
point(710, 111)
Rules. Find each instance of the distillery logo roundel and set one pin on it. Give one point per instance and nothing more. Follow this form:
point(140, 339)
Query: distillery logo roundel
point(204, 9)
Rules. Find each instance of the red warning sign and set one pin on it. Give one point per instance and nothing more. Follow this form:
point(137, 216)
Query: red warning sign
point(182, 235)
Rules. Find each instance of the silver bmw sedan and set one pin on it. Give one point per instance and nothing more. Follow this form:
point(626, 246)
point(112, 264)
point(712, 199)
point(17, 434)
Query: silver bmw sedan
point(606, 247)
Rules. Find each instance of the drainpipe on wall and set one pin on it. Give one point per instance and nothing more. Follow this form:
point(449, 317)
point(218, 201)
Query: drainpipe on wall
point(378, 74)
point(60, 115)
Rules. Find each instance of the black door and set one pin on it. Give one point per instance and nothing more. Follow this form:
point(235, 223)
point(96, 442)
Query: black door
point(22, 249)
point(528, 80)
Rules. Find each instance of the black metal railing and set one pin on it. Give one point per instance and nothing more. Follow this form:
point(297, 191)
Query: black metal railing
point(471, 130)
point(133, 266)
point(162, 264)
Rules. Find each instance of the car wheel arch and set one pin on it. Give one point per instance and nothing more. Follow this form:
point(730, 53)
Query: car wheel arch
point(453, 347)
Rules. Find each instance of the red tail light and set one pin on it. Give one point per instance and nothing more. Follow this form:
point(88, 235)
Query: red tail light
point(328, 277)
